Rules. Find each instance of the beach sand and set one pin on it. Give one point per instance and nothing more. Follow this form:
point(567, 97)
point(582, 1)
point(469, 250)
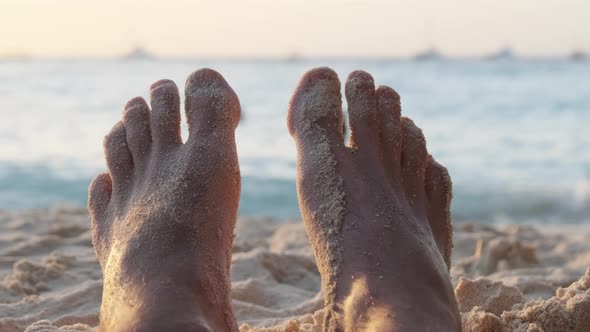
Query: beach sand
point(507, 278)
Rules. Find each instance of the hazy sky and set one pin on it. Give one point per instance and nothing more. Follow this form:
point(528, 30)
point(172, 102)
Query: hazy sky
point(280, 27)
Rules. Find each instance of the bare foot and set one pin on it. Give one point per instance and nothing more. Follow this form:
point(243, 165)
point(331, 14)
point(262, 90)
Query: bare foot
point(377, 212)
point(164, 215)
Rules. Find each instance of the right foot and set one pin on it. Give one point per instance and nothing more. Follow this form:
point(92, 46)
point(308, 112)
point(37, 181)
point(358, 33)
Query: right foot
point(377, 212)
point(163, 217)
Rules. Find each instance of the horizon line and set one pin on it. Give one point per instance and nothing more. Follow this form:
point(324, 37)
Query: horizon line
point(140, 52)
point(287, 58)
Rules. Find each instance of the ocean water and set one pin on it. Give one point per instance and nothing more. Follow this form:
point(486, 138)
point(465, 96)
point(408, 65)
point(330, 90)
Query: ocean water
point(514, 134)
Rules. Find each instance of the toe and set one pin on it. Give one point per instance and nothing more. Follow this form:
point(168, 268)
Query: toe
point(165, 103)
point(136, 119)
point(99, 196)
point(389, 116)
point(315, 110)
point(118, 157)
point(362, 110)
point(211, 105)
point(413, 164)
point(439, 193)
point(315, 122)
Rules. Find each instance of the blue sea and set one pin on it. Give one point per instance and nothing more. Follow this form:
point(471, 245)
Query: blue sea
point(514, 134)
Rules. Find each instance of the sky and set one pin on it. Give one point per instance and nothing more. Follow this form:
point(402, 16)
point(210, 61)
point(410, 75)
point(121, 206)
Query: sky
point(276, 28)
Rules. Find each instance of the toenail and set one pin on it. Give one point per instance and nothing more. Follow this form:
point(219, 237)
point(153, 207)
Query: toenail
point(135, 102)
point(360, 77)
point(161, 83)
point(206, 83)
point(323, 72)
point(205, 75)
point(385, 91)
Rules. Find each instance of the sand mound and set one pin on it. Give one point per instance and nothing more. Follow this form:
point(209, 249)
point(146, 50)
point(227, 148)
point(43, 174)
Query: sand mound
point(568, 310)
point(508, 278)
point(490, 296)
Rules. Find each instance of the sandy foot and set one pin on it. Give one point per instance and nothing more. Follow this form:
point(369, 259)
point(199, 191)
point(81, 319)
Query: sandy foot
point(163, 217)
point(377, 211)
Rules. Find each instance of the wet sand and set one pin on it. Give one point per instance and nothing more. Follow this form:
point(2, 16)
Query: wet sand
point(507, 278)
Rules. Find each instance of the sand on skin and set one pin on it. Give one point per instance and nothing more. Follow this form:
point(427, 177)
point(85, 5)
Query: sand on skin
point(508, 278)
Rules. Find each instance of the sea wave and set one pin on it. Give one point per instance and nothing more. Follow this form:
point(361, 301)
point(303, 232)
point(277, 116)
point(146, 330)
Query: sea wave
point(41, 186)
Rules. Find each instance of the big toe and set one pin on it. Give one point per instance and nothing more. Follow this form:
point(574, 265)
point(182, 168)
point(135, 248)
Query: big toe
point(315, 122)
point(315, 110)
point(211, 105)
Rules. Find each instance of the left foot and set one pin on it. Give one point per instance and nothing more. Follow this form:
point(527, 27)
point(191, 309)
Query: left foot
point(163, 217)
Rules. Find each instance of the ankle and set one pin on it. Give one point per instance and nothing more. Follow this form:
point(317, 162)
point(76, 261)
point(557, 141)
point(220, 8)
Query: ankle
point(377, 304)
point(362, 309)
point(164, 306)
point(151, 323)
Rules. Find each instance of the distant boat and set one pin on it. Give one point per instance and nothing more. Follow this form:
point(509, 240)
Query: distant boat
point(429, 55)
point(139, 53)
point(293, 57)
point(579, 56)
point(503, 54)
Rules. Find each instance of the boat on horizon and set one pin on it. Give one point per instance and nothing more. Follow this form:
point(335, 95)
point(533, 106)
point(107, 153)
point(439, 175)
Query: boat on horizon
point(293, 57)
point(579, 56)
point(503, 54)
point(431, 54)
point(139, 53)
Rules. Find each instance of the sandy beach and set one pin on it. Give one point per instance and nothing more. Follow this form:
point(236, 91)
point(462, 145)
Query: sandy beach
point(507, 278)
